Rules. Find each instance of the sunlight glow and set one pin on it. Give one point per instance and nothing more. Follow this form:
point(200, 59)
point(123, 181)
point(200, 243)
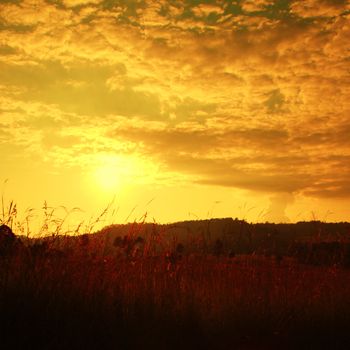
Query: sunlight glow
point(108, 177)
point(111, 173)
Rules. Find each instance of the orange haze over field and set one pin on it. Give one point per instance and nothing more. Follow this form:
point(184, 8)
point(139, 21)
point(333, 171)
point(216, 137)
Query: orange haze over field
point(181, 109)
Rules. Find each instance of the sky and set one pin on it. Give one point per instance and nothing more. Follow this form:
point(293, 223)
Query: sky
point(183, 110)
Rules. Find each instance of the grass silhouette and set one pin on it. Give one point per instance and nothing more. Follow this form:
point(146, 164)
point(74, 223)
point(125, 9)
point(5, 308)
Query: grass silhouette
point(68, 292)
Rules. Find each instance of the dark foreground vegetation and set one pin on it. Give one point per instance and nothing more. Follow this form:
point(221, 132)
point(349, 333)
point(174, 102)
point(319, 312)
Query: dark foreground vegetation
point(141, 286)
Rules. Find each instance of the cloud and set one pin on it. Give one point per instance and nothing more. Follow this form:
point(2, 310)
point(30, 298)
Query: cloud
point(256, 5)
point(278, 205)
point(319, 8)
point(275, 101)
point(205, 10)
point(73, 3)
point(81, 88)
point(198, 153)
point(249, 94)
point(267, 160)
point(7, 50)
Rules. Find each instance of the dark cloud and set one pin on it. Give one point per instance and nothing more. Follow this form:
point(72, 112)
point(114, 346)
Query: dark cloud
point(330, 189)
point(226, 173)
point(189, 108)
point(202, 140)
point(186, 151)
point(338, 136)
point(80, 89)
point(276, 167)
point(7, 50)
point(275, 101)
point(17, 28)
point(167, 141)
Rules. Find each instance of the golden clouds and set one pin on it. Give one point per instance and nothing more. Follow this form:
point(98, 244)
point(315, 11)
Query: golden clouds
point(9, 13)
point(251, 94)
point(34, 12)
point(319, 8)
point(256, 5)
point(72, 3)
point(205, 10)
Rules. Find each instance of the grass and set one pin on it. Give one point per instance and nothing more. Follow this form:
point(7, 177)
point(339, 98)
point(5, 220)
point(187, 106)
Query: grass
point(71, 293)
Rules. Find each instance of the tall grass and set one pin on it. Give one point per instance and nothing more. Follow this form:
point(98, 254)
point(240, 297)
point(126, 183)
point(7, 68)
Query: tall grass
point(73, 293)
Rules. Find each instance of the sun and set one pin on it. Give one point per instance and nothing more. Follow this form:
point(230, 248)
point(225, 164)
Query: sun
point(119, 173)
point(111, 172)
point(108, 177)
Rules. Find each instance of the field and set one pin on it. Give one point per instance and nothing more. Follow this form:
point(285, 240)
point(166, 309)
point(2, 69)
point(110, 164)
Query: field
point(63, 292)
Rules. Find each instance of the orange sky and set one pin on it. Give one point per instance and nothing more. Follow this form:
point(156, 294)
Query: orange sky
point(181, 109)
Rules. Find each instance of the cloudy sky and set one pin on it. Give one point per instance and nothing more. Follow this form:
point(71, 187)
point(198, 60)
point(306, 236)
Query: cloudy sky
point(182, 109)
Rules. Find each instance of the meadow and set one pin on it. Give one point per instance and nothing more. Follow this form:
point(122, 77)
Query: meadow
point(67, 292)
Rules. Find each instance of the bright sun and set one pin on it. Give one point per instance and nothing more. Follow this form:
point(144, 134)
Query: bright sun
point(110, 173)
point(108, 177)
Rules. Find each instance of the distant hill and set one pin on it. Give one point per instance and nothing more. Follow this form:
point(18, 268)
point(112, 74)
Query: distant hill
point(234, 234)
point(313, 242)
